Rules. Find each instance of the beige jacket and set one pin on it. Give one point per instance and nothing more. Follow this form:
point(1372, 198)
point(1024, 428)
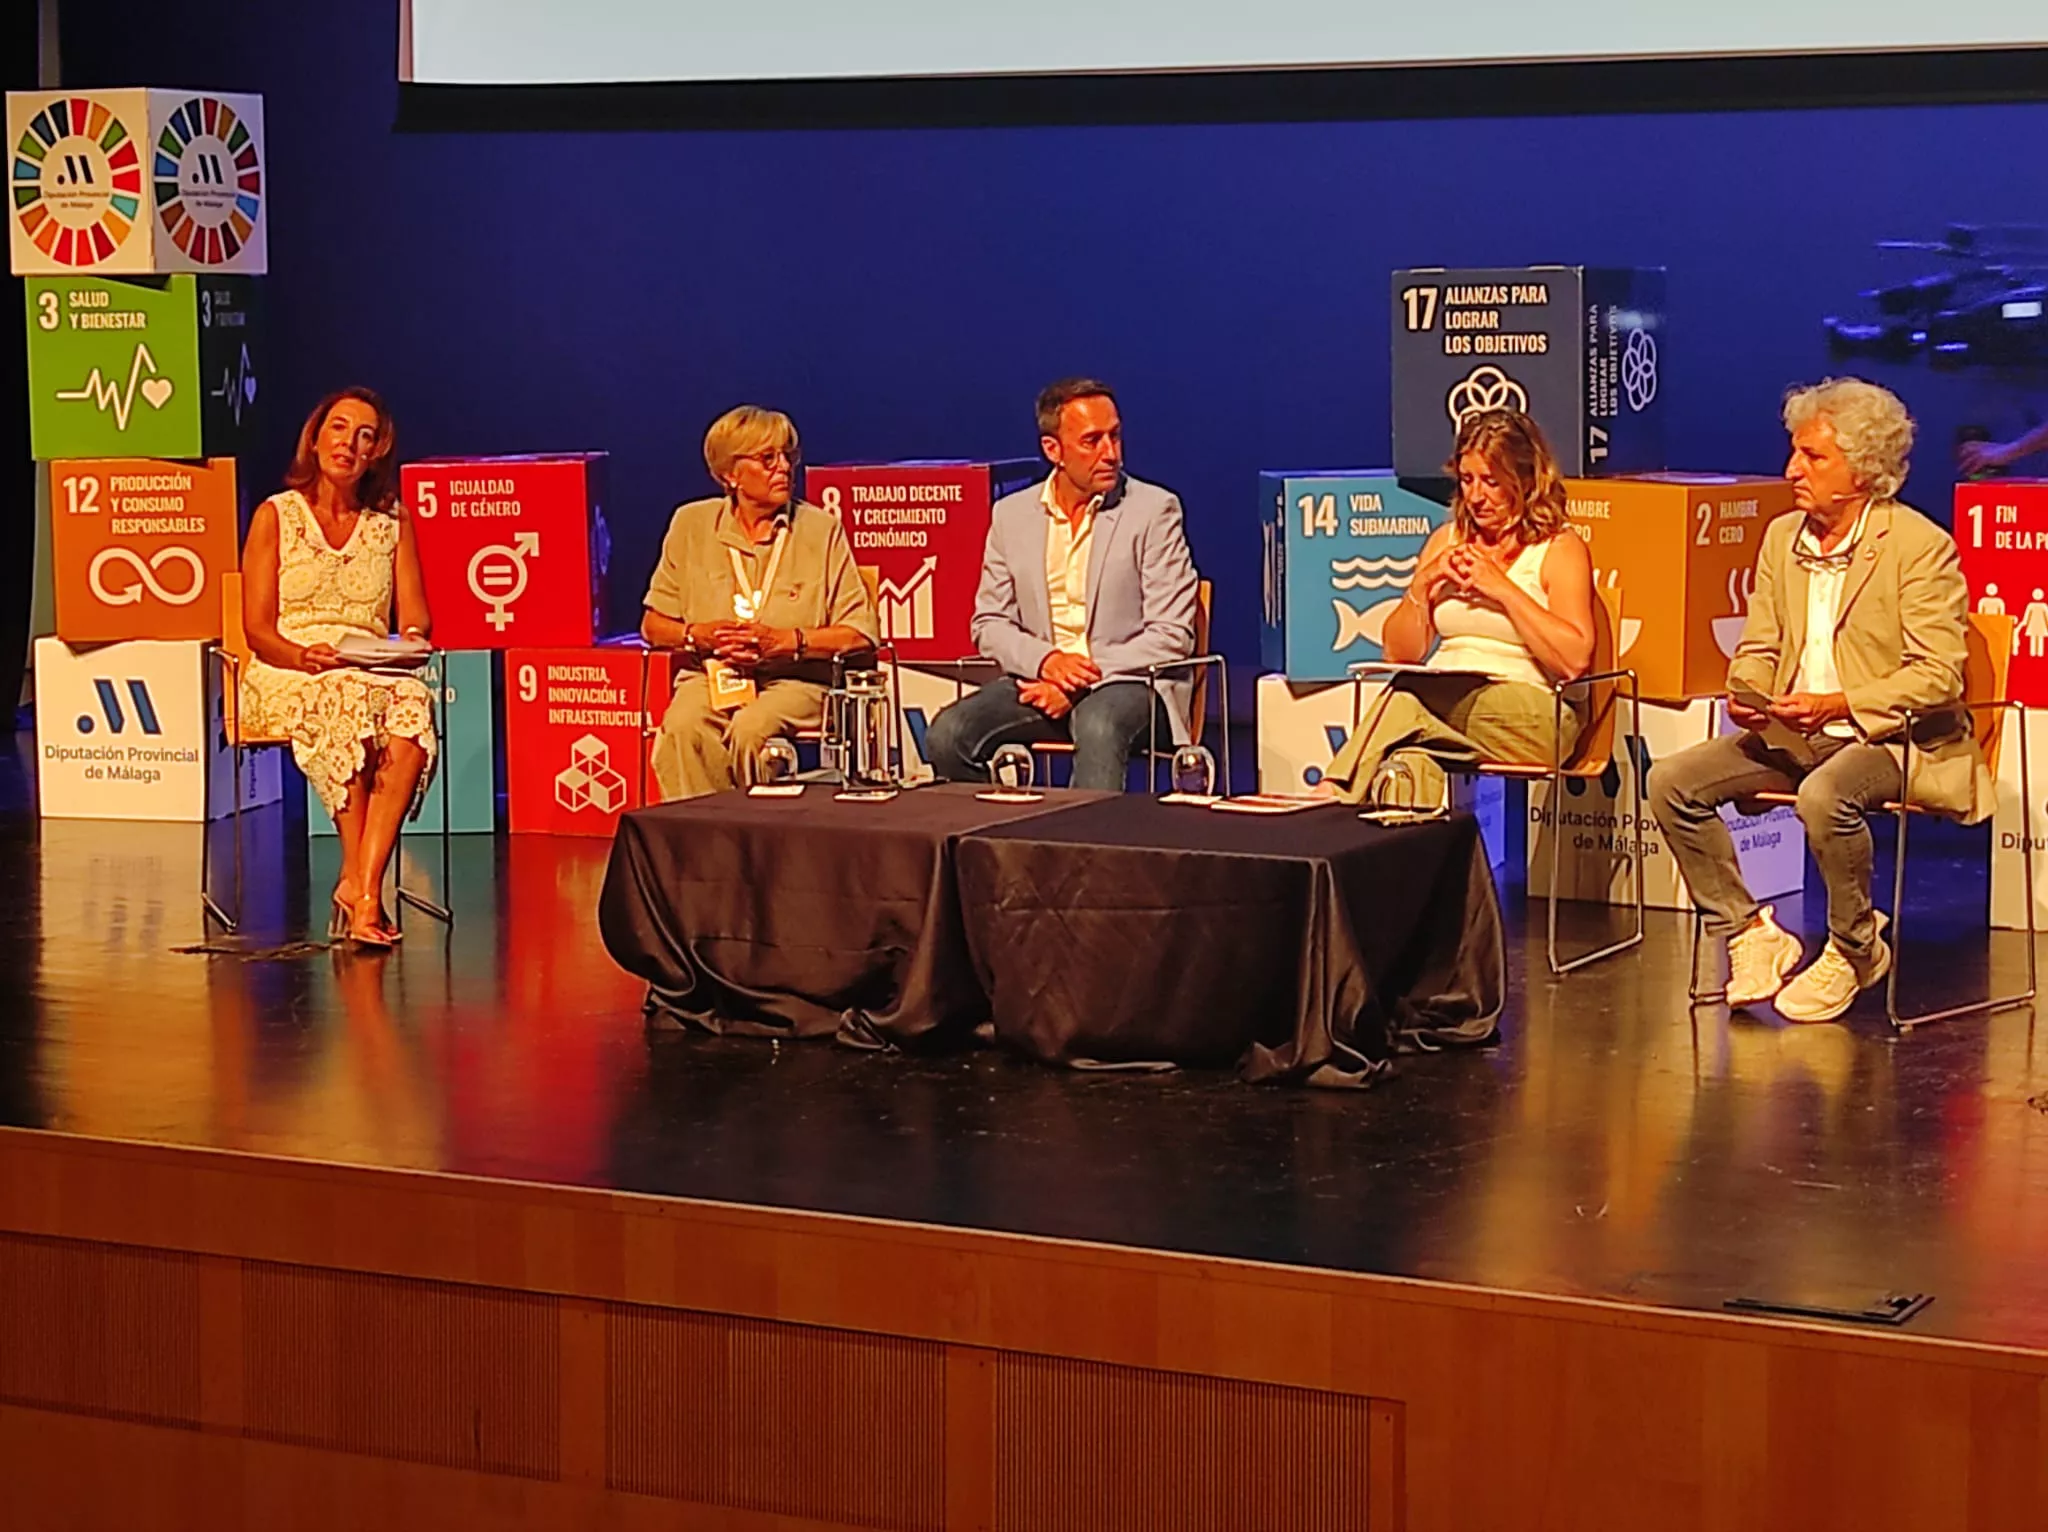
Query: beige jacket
point(1900, 643)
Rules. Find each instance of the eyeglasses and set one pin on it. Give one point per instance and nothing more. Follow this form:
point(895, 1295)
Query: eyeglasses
point(780, 455)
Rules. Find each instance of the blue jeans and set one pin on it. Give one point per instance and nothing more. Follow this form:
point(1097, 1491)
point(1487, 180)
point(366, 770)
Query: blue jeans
point(1108, 725)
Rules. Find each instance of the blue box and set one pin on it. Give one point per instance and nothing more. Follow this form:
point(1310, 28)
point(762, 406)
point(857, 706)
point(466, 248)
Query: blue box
point(1341, 546)
point(467, 740)
point(1580, 349)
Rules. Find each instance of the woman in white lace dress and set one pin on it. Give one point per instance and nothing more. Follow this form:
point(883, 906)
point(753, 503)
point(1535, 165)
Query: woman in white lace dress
point(323, 560)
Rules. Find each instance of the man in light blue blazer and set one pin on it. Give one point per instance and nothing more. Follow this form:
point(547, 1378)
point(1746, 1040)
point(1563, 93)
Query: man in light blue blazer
point(1085, 581)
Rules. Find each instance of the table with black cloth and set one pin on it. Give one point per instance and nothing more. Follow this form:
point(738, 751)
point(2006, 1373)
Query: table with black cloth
point(1303, 947)
point(805, 916)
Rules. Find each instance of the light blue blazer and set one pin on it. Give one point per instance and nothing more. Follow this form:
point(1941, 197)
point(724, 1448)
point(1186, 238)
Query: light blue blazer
point(1141, 590)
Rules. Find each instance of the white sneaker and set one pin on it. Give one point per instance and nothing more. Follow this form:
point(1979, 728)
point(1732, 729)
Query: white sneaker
point(1759, 957)
point(1831, 982)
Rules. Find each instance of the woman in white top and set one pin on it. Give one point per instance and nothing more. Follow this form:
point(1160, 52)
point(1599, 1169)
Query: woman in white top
point(1505, 594)
point(325, 559)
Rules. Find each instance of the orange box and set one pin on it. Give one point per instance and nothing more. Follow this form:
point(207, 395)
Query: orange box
point(138, 547)
point(1681, 549)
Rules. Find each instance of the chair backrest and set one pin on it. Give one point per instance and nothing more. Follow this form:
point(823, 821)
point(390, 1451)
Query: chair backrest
point(234, 640)
point(1595, 747)
point(1987, 670)
point(1198, 708)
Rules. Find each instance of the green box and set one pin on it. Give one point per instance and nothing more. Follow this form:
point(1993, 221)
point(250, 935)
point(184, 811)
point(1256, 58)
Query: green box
point(142, 366)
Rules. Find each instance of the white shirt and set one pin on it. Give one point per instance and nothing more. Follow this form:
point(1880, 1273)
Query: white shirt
point(1067, 546)
point(1824, 614)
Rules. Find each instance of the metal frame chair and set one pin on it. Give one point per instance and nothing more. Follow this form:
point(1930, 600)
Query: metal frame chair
point(651, 716)
point(1591, 756)
point(1201, 662)
point(225, 660)
point(1986, 673)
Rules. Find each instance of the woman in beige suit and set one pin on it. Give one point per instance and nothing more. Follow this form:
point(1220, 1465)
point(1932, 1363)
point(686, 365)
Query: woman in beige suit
point(758, 593)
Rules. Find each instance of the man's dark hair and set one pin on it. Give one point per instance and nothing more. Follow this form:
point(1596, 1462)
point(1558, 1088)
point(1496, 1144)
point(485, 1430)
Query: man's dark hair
point(1055, 397)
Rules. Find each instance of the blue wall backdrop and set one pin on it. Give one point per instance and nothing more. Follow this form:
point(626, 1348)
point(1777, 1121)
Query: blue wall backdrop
point(904, 293)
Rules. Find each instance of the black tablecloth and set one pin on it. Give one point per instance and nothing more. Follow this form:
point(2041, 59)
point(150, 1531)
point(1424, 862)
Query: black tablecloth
point(803, 916)
point(1305, 946)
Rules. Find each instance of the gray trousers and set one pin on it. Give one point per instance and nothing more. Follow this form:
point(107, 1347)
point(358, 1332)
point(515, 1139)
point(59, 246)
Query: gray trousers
point(1451, 719)
point(1687, 789)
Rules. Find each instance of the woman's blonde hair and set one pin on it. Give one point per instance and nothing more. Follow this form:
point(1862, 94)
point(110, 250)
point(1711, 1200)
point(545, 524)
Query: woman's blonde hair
point(742, 432)
point(1871, 425)
point(1514, 447)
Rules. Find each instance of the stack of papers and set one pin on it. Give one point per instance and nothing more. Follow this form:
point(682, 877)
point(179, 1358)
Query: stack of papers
point(384, 653)
point(1269, 803)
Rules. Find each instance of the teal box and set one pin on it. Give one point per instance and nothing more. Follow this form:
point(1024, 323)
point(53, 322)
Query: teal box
point(1340, 549)
point(467, 739)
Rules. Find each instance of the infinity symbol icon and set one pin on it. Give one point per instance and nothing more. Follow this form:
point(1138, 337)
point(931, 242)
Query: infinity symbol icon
point(146, 575)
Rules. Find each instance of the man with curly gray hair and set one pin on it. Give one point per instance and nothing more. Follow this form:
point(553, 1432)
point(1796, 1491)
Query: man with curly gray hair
point(1858, 620)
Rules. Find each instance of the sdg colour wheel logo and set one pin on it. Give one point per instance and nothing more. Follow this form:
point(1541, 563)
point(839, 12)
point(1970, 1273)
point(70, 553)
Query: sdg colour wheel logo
point(77, 182)
point(209, 181)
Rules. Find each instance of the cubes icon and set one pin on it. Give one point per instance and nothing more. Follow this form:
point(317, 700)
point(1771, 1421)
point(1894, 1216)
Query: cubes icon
point(589, 782)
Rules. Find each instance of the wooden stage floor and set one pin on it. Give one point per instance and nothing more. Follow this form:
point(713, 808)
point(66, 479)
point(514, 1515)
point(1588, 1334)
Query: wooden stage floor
point(1618, 1166)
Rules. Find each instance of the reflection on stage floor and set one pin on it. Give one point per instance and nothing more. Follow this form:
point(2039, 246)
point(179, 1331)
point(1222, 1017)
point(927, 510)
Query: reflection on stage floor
point(1613, 1145)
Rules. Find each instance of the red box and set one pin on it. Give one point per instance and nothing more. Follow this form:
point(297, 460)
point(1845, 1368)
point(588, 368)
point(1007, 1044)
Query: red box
point(578, 728)
point(918, 530)
point(513, 549)
point(2001, 526)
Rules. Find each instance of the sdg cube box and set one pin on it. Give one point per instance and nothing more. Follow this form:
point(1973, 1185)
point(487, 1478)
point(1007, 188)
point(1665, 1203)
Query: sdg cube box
point(918, 530)
point(133, 731)
point(139, 546)
point(466, 760)
point(1681, 551)
point(1578, 349)
point(578, 727)
point(137, 181)
point(142, 367)
point(1340, 549)
point(2001, 529)
point(514, 550)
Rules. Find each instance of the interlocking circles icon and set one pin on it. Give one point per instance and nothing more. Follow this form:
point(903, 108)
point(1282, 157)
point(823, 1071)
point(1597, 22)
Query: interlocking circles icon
point(497, 575)
point(1639, 369)
point(146, 576)
point(1486, 387)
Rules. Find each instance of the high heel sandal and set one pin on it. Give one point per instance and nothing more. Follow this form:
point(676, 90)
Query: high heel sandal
point(374, 935)
point(341, 922)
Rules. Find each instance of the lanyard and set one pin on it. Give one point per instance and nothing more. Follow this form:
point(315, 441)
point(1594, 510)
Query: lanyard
point(748, 602)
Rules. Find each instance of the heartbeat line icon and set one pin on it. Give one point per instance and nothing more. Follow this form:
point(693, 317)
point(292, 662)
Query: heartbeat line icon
point(237, 386)
point(156, 391)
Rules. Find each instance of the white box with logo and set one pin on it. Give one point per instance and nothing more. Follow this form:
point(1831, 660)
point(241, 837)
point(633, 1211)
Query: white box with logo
point(126, 731)
point(2008, 866)
point(1599, 820)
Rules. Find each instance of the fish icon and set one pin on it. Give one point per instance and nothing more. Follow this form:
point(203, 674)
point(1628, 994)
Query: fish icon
point(1354, 626)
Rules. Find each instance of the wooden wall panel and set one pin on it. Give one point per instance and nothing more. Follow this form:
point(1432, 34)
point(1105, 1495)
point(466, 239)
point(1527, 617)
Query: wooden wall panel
point(787, 1419)
point(101, 1329)
point(1120, 1449)
point(429, 1372)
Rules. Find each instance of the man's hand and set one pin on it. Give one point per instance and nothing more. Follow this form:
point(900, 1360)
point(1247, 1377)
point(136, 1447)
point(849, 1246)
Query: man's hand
point(1069, 672)
point(1046, 697)
point(1810, 712)
point(1746, 717)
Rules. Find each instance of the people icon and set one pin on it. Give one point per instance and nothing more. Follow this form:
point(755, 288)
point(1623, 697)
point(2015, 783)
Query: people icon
point(1991, 604)
point(2034, 624)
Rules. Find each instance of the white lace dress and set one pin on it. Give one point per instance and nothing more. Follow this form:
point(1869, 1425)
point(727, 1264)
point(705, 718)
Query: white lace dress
point(325, 593)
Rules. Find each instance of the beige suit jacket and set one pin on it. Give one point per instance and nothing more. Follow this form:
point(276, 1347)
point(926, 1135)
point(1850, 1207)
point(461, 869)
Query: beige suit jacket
point(1900, 644)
